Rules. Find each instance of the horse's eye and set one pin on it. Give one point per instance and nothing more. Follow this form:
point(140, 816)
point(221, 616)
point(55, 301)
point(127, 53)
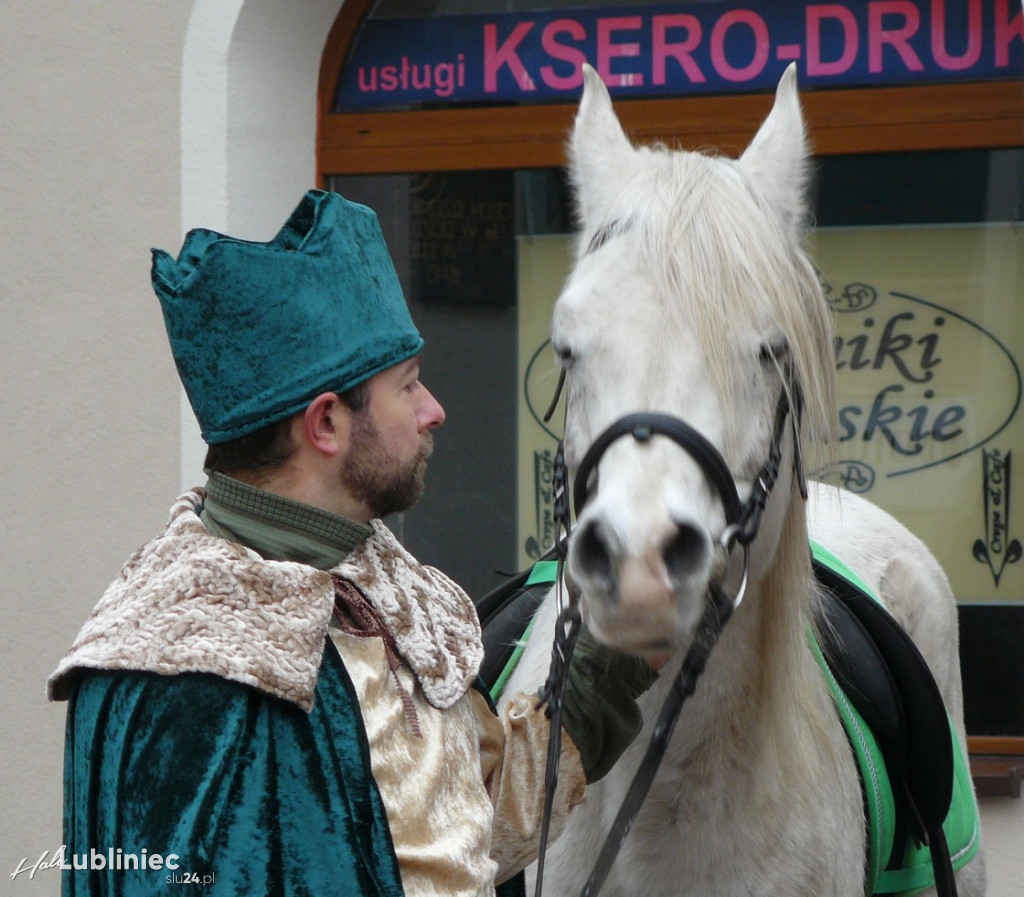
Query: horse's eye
point(563, 352)
point(773, 353)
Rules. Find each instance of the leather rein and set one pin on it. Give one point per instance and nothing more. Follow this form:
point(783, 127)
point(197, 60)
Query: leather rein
point(742, 522)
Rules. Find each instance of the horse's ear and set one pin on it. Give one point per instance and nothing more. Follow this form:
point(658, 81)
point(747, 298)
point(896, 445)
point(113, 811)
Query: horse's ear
point(776, 160)
point(598, 148)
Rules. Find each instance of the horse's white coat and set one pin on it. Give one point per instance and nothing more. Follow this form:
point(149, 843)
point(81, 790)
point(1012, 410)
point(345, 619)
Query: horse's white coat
point(693, 306)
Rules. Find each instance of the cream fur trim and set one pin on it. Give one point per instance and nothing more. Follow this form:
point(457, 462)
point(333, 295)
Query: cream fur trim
point(188, 601)
point(432, 620)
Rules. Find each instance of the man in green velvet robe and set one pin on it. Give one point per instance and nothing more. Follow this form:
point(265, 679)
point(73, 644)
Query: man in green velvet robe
point(274, 697)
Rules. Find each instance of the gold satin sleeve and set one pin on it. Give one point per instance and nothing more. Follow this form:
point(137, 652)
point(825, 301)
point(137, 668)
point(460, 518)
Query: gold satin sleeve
point(513, 756)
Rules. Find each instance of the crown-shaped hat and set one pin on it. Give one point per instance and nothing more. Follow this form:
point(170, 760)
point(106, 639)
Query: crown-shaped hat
point(258, 329)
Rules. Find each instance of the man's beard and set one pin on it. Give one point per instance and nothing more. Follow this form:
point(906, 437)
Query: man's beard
point(377, 478)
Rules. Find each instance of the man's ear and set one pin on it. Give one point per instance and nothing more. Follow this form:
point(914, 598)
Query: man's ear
point(326, 423)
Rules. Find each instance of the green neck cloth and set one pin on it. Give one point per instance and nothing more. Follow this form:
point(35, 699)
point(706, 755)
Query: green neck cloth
point(278, 528)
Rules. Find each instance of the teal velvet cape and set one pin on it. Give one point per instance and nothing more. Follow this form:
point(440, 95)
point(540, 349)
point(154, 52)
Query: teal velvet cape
point(247, 790)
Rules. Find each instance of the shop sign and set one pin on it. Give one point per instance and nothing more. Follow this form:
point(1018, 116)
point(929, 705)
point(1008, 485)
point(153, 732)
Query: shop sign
point(679, 49)
point(929, 345)
point(908, 372)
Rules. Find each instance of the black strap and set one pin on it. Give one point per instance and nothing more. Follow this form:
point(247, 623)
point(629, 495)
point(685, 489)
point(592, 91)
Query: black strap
point(716, 613)
point(742, 518)
point(942, 864)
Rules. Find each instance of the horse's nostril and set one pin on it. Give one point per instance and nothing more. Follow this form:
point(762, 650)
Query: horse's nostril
point(684, 553)
point(592, 551)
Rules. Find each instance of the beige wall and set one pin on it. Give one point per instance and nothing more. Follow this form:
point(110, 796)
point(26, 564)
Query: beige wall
point(91, 176)
point(123, 124)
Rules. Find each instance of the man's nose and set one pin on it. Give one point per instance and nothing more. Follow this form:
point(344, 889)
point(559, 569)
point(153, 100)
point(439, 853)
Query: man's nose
point(431, 414)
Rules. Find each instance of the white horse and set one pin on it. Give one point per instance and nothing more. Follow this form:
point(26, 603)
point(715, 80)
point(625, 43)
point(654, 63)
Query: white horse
point(691, 296)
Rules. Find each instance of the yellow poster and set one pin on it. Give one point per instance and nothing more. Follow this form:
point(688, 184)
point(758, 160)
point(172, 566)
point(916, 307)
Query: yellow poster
point(543, 263)
point(929, 342)
point(929, 338)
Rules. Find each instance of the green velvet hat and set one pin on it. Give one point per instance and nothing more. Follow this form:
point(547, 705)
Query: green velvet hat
point(257, 330)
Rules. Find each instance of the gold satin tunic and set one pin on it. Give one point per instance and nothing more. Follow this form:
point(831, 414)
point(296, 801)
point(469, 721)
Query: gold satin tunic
point(464, 798)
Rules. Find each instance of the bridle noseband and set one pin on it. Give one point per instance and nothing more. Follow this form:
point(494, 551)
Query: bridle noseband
point(642, 426)
point(742, 521)
point(742, 518)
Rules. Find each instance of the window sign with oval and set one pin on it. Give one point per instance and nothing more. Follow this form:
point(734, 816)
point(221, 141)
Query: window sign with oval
point(929, 346)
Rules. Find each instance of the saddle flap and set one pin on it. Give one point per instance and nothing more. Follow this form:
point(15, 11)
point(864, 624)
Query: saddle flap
point(505, 614)
point(862, 673)
point(923, 757)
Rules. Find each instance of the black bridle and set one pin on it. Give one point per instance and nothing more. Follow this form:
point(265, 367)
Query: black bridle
point(742, 521)
point(742, 518)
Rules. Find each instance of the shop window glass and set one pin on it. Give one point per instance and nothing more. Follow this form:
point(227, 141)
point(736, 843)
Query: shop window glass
point(922, 255)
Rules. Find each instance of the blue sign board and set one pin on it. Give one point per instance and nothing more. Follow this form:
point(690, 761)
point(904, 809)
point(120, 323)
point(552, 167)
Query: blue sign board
point(680, 49)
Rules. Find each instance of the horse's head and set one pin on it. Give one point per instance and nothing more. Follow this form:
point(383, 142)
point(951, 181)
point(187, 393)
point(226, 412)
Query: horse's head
point(690, 297)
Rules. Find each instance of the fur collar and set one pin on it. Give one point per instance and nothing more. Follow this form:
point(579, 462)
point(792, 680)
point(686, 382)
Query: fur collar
point(188, 601)
point(432, 620)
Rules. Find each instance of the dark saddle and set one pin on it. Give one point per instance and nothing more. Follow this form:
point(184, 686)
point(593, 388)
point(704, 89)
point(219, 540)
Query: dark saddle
point(505, 614)
point(874, 661)
point(886, 678)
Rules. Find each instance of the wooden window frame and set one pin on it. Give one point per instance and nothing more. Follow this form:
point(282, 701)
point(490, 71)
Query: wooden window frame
point(957, 116)
point(982, 115)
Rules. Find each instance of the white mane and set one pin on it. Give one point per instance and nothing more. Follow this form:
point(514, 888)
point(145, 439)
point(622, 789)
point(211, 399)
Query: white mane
point(707, 238)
